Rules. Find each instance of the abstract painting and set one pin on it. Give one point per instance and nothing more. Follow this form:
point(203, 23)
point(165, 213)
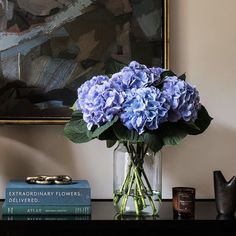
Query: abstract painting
point(48, 48)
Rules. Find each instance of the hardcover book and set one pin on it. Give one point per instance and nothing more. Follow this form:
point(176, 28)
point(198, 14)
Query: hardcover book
point(45, 217)
point(22, 193)
point(45, 210)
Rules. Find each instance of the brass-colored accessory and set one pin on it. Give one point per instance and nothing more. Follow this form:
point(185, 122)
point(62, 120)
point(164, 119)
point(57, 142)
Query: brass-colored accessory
point(49, 179)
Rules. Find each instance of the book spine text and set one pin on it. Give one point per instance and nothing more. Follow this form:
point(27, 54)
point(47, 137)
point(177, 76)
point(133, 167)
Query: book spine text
point(46, 210)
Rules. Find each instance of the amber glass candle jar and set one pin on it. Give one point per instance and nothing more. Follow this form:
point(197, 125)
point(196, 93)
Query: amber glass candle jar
point(183, 201)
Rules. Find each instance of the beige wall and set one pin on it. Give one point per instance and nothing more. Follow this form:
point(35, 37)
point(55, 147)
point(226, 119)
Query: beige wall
point(203, 44)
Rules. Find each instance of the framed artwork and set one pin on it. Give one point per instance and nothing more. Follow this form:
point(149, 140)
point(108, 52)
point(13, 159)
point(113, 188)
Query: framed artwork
point(48, 48)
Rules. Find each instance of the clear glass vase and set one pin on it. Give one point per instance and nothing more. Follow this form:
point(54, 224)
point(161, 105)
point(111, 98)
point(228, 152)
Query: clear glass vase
point(137, 179)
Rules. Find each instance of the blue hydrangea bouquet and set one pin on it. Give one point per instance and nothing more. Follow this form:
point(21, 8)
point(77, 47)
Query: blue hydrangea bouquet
point(151, 107)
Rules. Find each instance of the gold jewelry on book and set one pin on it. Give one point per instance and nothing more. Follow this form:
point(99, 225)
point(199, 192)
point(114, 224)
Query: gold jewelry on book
point(49, 179)
point(63, 179)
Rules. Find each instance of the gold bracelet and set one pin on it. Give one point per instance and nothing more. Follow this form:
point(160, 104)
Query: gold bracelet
point(49, 179)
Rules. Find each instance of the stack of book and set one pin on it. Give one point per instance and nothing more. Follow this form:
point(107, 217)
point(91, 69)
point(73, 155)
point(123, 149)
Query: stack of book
point(35, 199)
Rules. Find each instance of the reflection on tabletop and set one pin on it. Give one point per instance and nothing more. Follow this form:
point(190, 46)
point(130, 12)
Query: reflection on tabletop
point(46, 217)
point(135, 217)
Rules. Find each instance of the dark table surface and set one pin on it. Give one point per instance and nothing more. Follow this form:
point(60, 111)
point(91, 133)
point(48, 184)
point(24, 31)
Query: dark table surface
point(105, 221)
point(104, 210)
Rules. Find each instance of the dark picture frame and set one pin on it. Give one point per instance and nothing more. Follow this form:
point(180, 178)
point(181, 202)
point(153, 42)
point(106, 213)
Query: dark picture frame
point(48, 51)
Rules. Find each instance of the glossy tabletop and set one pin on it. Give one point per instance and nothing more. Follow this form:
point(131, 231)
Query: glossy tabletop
point(105, 221)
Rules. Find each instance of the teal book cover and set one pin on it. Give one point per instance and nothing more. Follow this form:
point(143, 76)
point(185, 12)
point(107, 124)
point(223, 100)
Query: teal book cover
point(22, 193)
point(45, 209)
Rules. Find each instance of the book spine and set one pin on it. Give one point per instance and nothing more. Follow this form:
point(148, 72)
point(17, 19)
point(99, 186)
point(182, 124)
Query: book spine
point(45, 210)
point(27, 196)
point(45, 217)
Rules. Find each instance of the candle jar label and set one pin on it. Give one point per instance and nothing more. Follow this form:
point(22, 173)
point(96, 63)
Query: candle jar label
point(186, 203)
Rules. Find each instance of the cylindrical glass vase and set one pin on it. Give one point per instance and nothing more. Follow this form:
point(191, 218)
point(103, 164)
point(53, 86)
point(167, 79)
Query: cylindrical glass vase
point(137, 179)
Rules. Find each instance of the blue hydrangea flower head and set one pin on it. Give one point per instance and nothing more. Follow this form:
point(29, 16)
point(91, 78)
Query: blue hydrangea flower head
point(98, 101)
point(83, 90)
point(131, 94)
point(154, 74)
point(183, 99)
point(144, 108)
point(135, 75)
point(129, 78)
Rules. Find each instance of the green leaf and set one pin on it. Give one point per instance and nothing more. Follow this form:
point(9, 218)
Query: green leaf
point(202, 122)
point(76, 129)
point(189, 127)
point(182, 77)
point(197, 127)
point(153, 141)
point(98, 131)
point(124, 134)
point(112, 66)
point(78, 121)
point(175, 138)
point(73, 108)
point(107, 135)
point(74, 133)
point(167, 73)
point(76, 115)
point(110, 143)
point(172, 135)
